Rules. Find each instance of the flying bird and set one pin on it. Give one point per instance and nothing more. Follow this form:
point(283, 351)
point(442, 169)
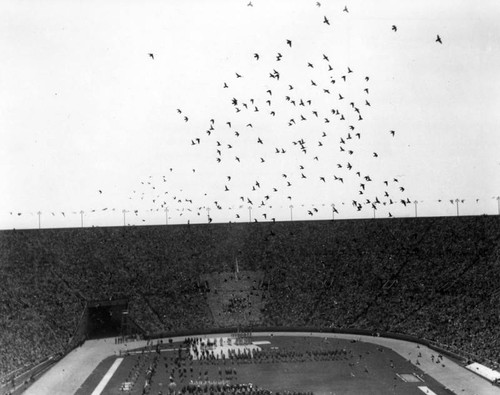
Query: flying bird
point(394, 28)
point(325, 20)
point(438, 39)
point(151, 56)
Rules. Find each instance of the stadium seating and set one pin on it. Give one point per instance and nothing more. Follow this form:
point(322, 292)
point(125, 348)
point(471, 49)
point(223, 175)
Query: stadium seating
point(434, 278)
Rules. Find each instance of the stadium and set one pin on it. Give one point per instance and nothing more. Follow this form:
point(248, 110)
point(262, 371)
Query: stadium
point(249, 197)
point(347, 307)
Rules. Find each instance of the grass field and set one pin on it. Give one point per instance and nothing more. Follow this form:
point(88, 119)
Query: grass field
point(294, 364)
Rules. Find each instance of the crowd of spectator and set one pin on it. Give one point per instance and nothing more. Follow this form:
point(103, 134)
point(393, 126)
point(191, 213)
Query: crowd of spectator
point(434, 278)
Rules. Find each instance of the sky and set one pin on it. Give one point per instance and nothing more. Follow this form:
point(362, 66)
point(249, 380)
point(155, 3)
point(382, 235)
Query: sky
point(154, 112)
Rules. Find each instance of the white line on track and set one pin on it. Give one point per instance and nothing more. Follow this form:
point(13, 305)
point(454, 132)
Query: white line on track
point(426, 390)
point(107, 377)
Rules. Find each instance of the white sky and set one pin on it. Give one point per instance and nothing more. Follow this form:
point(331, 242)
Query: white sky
point(84, 108)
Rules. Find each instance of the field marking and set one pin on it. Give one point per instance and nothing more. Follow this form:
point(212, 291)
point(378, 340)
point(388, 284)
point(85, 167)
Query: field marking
point(107, 377)
point(409, 377)
point(426, 390)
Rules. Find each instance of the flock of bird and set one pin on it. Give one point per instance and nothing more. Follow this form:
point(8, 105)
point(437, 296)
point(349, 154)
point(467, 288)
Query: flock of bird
point(319, 117)
point(246, 131)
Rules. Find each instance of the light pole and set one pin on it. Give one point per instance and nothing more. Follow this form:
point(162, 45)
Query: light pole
point(291, 212)
point(124, 220)
point(166, 215)
point(81, 217)
point(498, 201)
point(333, 211)
point(250, 213)
point(374, 211)
point(39, 220)
point(208, 214)
point(457, 201)
point(415, 202)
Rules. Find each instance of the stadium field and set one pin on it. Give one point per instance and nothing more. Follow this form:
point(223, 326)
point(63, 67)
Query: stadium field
point(347, 364)
point(292, 364)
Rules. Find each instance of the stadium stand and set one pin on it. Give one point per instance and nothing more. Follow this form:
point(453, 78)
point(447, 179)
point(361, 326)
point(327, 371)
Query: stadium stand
point(433, 278)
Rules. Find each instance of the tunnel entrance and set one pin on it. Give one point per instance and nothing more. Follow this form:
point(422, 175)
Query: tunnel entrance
point(107, 318)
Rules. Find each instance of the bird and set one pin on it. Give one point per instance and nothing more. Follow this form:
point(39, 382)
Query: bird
point(238, 75)
point(392, 132)
point(289, 43)
point(152, 56)
point(256, 56)
point(345, 9)
point(438, 39)
point(394, 28)
point(325, 20)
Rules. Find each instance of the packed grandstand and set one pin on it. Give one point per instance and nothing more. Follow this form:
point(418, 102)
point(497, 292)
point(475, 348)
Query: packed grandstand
point(431, 278)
